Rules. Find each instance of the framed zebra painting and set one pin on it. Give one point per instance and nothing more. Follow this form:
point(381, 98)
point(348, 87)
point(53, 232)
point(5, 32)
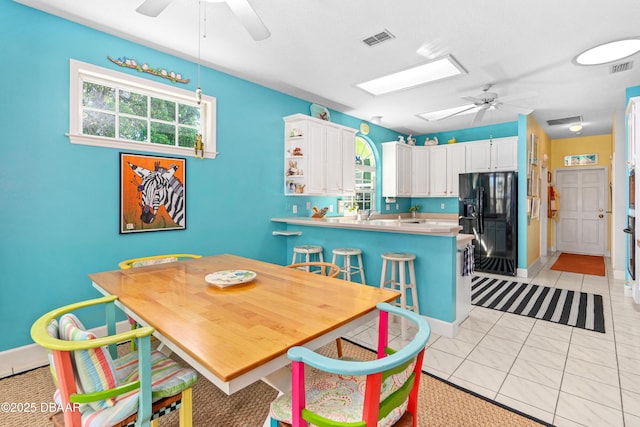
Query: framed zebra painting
point(152, 193)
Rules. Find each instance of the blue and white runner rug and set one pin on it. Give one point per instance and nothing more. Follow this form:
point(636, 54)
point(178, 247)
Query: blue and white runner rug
point(573, 308)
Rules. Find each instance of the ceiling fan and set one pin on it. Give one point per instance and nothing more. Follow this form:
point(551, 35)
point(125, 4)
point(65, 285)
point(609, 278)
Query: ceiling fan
point(241, 8)
point(490, 100)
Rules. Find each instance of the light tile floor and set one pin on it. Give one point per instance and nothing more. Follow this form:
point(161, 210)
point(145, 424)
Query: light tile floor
point(562, 375)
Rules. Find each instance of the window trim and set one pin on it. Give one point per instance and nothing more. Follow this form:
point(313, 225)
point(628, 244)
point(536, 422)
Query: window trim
point(78, 70)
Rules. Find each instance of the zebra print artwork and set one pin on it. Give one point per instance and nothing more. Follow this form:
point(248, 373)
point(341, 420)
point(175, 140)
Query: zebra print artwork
point(153, 193)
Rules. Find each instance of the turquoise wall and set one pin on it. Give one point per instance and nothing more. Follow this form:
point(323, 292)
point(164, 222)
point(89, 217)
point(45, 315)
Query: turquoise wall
point(60, 201)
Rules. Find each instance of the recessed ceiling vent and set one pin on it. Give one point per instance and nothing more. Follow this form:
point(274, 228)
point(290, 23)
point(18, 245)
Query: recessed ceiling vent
point(623, 66)
point(565, 121)
point(376, 39)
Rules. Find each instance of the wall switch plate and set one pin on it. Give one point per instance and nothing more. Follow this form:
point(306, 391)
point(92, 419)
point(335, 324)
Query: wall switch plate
point(295, 208)
point(441, 205)
point(388, 206)
point(397, 206)
point(330, 208)
point(308, 205)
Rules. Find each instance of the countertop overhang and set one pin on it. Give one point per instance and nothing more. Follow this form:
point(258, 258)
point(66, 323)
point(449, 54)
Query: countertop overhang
point(389, 225)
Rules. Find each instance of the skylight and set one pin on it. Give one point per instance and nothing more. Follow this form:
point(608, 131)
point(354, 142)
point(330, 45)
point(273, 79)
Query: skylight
point(609, 52)
point(431, 71)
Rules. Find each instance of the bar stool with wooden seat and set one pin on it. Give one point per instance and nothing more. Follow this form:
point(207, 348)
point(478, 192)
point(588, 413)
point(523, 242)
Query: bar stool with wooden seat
point(307, 253)
point(401, 263)
point(349, 269)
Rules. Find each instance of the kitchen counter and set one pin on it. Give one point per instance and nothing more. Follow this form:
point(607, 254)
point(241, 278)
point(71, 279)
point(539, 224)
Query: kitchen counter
point(444, 295)
point(384, 224)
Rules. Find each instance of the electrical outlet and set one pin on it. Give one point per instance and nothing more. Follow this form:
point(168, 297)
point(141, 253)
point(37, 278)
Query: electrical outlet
point(308, 205)
point(330, 208)
point(388, 206)
point(397, 206)
point(441, 205)
point(295, 209)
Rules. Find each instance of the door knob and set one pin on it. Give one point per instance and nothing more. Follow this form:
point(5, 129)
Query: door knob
point(600, 216)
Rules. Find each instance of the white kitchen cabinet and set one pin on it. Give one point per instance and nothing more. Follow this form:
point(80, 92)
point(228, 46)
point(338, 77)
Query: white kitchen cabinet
point(456, 164)
point(478, 155)
point(499, 154)
point(319, 157)
point(438, 171)
point(396, 169)
point(420, 171)
point(504, 154)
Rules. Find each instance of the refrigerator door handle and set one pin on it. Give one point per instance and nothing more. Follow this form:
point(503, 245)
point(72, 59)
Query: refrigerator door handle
point(480, 210)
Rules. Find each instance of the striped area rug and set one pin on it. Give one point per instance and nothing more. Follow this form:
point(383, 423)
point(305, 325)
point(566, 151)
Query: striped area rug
point(578, 309)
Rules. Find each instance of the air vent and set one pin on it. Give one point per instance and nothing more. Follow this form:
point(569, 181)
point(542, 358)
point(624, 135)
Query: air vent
point(565, 121)
point(376, 39)
point(623, 66)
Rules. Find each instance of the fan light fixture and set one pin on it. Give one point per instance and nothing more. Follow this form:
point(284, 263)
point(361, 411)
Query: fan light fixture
point(438, 69)
point(609, 52)
point(575, 127)
point(376, 120)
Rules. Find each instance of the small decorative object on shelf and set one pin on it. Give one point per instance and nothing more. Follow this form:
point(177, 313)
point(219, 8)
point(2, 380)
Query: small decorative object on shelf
point(401, 139)
point(293, 169)
point(433, 141)
point(299, 189)
point(295, 133)
point(414, 209)
point(319, 213)
point(452, 140)
point(145, 68)
point(199, 146)
point(297, 151)
point(411, 140)
point(319, 112)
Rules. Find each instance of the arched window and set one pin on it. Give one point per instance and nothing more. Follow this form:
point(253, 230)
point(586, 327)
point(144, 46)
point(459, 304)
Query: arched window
point(365, 197)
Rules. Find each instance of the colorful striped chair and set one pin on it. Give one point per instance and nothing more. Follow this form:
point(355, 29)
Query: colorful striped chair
point(380, 393)
point(99, 389)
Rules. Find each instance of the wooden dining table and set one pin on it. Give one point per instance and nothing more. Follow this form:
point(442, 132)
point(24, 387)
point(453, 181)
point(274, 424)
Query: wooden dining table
point(237, 335)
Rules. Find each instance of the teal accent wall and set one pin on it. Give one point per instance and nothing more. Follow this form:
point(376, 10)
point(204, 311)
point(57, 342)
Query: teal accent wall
point(60, 201)
point(632, 91)
point(499, 130)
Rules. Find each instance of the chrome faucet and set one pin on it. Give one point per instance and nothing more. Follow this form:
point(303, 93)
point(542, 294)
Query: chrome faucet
point(370, 212)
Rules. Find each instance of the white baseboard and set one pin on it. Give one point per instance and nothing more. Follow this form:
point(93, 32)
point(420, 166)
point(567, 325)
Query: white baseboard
point(443, 328)
point(30, 356)
point(620, 274)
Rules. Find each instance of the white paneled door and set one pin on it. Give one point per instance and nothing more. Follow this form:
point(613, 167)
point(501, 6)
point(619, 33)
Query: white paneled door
point(582, 227)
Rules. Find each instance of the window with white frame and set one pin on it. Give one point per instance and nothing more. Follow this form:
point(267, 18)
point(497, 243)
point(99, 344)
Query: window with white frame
point(365, 195)
point(113, 109)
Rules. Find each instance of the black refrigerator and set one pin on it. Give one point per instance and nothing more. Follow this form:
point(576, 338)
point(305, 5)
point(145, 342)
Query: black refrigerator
point(488, 209)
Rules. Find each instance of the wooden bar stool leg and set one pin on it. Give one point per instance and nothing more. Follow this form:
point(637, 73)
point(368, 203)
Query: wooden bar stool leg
point(361, 265)
point(403, 297)
point(347, 267)
point(414, 292)
point(383, 274)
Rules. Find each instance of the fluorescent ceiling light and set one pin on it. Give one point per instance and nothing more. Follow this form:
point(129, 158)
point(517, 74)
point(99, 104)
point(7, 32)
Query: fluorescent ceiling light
point(425, 73)
point(440, 114)
point(609, 52)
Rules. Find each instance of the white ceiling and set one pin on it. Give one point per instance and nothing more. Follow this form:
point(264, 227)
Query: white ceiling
point(316, 52)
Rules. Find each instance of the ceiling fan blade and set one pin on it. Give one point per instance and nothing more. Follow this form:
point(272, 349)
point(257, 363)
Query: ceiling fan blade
point(514, 108)
point(479, 116)
point(249, 18)
point(153, 8)
point(472, 99)
point(456, 113)
point(518, 96)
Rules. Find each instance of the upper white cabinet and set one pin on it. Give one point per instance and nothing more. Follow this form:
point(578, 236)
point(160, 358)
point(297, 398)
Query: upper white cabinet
point(438, 171)
point(319, 157)
point(456, 164)
point(633, 130)
point(499, 154)
point(420, 171)
point(396, 169)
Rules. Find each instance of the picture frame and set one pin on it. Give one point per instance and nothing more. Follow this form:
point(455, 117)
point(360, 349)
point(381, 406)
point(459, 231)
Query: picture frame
point(535, 208)
point(581, 160)
point(549, 177)
point(534, 154)
point(152, 193)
